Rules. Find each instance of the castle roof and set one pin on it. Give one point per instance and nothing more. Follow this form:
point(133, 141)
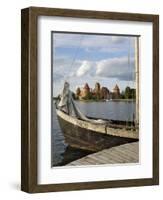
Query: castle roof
point(105, 89)
point(97, 83)
point(86, 86)
point(116, 87)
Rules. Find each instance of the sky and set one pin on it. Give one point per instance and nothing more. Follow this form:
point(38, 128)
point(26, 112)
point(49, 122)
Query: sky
point(91, 58)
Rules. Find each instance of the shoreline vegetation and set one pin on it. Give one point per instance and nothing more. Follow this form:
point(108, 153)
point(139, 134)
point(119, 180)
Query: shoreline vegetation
point(105, 100)
point(100, 100)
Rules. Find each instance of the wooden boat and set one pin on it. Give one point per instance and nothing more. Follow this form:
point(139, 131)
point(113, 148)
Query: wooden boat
point(94, 136)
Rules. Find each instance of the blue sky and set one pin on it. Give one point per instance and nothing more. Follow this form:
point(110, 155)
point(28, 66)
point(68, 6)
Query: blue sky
point(81, 58)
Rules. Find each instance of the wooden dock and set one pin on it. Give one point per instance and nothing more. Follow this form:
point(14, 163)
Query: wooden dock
point(126, 153)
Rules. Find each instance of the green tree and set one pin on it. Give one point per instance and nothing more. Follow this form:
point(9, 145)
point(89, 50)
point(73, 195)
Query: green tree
point(130, 93)
point(88, 96)
point(123, 95)
point(133, 93)
point(127, 92)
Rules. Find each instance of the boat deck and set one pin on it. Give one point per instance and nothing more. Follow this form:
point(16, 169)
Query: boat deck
point(126, 153)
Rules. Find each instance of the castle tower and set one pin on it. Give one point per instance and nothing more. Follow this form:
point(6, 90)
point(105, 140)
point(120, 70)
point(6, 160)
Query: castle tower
point(78, 93)
point(116, 92)
point(104, 94)
point(86, 90)
point(97, 87)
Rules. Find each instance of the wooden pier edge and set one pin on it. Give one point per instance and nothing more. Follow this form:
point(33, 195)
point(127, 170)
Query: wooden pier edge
point(125, 153)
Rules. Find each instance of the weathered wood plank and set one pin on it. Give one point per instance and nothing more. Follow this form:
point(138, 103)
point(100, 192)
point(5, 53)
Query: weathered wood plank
point(126, 153)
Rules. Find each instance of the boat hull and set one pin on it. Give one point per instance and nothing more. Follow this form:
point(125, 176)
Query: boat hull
point(86, 139)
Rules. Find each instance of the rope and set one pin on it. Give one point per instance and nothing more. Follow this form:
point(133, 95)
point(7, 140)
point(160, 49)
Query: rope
point(76, 53)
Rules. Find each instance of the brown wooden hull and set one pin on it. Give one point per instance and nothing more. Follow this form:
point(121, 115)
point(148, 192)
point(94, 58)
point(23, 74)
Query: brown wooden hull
point(83, 138)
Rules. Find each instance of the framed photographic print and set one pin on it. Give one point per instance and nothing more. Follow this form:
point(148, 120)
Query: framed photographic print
point(90, 99)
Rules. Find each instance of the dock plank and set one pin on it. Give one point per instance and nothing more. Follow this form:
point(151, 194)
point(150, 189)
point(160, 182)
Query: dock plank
point(126, 153)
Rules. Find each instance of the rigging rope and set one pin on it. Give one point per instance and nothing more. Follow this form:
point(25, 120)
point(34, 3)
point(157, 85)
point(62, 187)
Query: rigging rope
point(75, 56)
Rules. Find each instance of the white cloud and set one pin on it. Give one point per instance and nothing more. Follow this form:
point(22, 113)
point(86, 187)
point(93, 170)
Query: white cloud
point(62, 67)
point(120, 68)
point(85, 68)
point(116, 68)
point(108, 72)
point(107, 68)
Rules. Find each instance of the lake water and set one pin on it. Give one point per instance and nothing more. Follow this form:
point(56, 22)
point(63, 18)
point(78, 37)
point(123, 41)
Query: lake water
point(116, 110)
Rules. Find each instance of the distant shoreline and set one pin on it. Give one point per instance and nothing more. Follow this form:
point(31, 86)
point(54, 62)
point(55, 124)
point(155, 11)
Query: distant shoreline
point(102, 100)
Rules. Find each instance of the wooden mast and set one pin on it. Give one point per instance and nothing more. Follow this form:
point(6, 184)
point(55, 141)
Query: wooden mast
point(137, 78)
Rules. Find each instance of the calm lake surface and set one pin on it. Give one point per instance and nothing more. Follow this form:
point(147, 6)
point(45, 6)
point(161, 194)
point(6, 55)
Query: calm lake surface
point(116, 110)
